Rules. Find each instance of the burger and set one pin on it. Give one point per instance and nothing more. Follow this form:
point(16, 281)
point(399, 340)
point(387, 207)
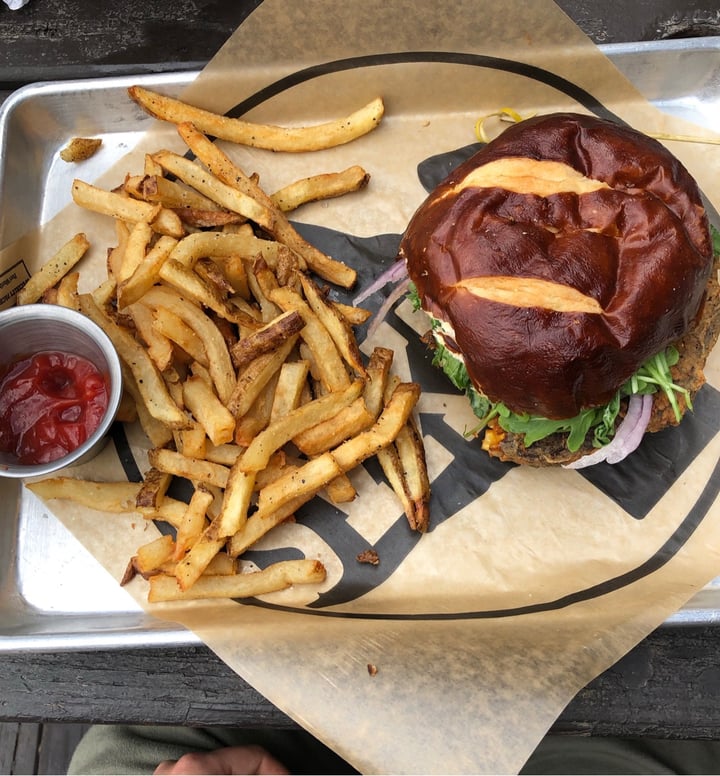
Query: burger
point(569, 275)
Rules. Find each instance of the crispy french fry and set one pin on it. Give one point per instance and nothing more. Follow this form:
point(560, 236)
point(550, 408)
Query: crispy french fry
point(188, 282)
point(135, 250)
point(341, 490)
point(396, 413)
point(389, 461)
point(174, 329)
point(278, 576)
point(378, 373)
point(196, 560)
point(257, 525)
point(273, 138)
point(54, 269)
point(67, 291)
point(159, 347)
point(146, 274)
point(324, 186)
point(256, 419)
point(349, 422)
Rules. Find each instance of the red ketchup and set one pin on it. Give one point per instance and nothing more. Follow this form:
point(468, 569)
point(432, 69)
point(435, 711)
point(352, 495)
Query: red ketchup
point(50, 403)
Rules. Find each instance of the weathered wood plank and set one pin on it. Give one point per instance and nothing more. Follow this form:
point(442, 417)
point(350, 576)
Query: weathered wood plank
point(56, 746)
point(667, 687)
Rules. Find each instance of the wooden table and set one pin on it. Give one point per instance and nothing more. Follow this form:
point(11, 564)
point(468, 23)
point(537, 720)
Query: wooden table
point(668, 686)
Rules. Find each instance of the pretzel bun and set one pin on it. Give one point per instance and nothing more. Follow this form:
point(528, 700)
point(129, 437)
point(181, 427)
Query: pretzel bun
point(559, 258)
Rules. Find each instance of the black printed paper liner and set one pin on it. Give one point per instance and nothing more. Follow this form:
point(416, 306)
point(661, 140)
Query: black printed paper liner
point(503, 540)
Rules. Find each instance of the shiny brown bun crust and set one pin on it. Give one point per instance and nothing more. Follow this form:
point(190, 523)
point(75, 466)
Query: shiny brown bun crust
point(635, 244)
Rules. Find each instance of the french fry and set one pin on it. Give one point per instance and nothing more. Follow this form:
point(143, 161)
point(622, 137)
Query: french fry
point(150, 384)
point(111, 203)
point(202, 401)
point(54, 269)
point(257, 525)
point(193, 442)
point(146, 274)
point(317, 187)
point(278, 576)
point(389, 461)
point(266, 339)
point(218, 356)
point(302, 483)
point(135, 250)
point(411, 453)
point(253, 379)
point(293, 424)
point(174, 329)
point(273, 138)
point(153, 490)
point(327, 358)
point(349, 422)
point(355, 316)
point(79, 149)
point(67, 291)
point(207, 184)
point(396, 413)
point(378, 372)
point(341, 333)
point(289, 389)
point(191, 284)
point(195, 469)
point(256, 419)
point(156, 431)
point(116, 497)
point(283, 231)
point(158, 346)
point(193, 521)
point(341, 490)
point(152, 555)
point(196, 560)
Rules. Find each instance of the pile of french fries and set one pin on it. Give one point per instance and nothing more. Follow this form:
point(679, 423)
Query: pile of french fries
point(243, 372)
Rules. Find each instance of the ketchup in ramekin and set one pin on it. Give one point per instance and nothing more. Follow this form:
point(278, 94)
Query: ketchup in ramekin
point(50, 403)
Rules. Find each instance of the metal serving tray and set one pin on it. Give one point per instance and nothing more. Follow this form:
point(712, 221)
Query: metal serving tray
point(53, 594)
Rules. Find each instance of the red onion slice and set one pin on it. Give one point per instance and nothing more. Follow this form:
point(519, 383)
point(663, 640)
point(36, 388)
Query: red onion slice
point(398, 292)
point(627, 437)
point(397, 271)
